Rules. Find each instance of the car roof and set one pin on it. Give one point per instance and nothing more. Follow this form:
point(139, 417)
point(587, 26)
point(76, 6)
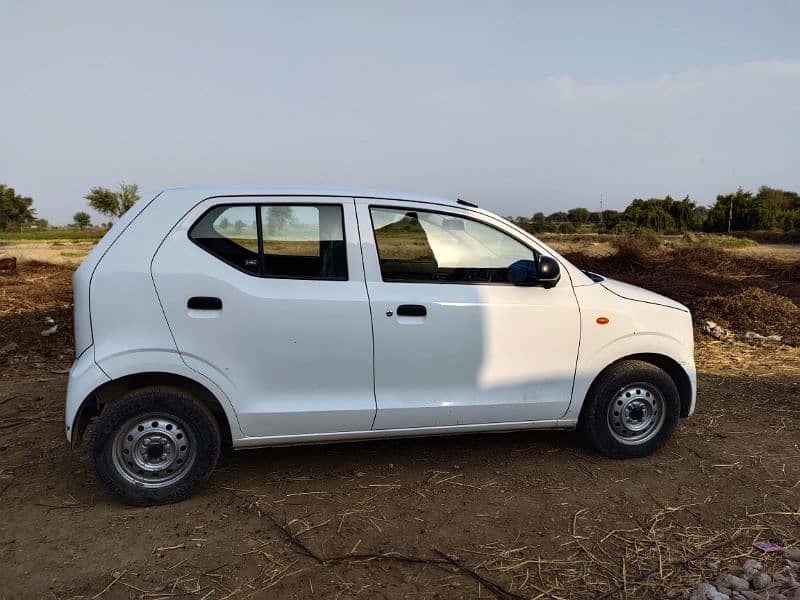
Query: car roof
point(344, 192)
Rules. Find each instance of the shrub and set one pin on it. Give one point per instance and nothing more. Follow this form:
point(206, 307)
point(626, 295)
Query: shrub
point(719, 241)
point(636, 242)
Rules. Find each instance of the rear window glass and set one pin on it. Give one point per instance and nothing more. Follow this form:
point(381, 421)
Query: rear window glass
point(303, 241)
point(277, 240)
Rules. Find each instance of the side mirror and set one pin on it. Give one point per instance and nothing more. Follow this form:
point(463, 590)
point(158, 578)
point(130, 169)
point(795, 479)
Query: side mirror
point(544, 272)
point(549, 272)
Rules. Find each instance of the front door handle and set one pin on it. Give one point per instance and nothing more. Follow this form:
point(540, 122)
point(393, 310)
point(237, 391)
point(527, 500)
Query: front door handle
point(411, 310)
point(204, 303)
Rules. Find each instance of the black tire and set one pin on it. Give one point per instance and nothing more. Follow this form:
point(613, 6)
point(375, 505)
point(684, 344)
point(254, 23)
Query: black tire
point(181, 417)
point(658, 401)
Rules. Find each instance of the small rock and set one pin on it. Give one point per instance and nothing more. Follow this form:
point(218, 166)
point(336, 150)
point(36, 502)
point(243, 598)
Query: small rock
point(749, 595)
point(50, 330)
point(753, 336)
point(792, 554)
point(716, 331)
point(9, 347)
point(761, 580)
point(706, 591)
point(751, 566)
point(732, 582)
point(713, 565)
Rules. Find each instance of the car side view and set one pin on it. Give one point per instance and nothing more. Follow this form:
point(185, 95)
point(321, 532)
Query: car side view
point(248, 318)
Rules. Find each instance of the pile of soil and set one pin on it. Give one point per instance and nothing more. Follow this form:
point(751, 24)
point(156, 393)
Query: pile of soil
point(36, 292)
point(753, 309)
point(688, 274)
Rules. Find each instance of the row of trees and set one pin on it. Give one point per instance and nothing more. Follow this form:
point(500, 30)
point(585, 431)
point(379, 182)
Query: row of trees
point(769, 208)
point(17, 211)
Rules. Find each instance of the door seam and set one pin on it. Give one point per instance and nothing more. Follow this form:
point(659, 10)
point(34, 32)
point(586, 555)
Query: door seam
point(371, 318)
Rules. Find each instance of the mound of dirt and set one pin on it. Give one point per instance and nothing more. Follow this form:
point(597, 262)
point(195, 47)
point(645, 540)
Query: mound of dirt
point(689, 274)
point(752, 309)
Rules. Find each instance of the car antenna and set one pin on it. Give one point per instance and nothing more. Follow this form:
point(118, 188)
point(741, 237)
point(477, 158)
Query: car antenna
point(465, 203)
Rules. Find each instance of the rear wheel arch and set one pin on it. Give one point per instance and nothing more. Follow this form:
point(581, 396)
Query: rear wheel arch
point(669, 365)
point(111, 391)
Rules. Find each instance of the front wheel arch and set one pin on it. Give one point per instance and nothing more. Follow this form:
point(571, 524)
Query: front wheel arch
point(669, 365)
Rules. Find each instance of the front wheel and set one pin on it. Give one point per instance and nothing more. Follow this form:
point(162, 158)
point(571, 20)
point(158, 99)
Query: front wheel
point(631, 410)
point(154, 446)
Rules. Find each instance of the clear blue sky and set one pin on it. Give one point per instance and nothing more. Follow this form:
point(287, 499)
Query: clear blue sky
point(519, 106)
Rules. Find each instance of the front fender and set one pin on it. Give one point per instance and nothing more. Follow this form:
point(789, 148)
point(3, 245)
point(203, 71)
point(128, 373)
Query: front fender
point(633, 328)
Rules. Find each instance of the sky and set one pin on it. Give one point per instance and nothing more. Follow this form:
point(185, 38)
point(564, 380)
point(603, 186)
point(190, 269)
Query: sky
point(517, 106)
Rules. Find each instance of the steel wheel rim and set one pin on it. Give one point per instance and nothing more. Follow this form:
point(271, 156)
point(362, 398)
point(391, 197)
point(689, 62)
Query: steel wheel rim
point(636, 413)
point(154, 450)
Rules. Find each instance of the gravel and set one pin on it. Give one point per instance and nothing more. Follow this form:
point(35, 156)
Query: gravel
point(751, 581)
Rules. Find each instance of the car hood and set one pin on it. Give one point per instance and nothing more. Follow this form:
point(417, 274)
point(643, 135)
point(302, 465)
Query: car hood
point(637, 294)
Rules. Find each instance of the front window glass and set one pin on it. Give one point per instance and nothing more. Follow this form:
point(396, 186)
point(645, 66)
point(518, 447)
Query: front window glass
point(415, 245)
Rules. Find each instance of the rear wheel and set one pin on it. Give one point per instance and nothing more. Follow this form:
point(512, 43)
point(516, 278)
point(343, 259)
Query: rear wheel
point(154, 446)
point(631, 410)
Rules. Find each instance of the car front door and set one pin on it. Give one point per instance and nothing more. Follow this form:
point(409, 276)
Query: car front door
point(455, 343)
point(266, 297)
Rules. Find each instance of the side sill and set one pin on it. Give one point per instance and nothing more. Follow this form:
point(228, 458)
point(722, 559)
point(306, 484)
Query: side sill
point(377, 434)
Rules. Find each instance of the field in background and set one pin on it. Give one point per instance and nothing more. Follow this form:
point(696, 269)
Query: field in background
point(72, 245)
point(526, 515)
point(91, 234)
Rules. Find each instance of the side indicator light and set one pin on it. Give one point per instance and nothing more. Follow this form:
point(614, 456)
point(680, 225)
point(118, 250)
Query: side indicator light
point(602, 320)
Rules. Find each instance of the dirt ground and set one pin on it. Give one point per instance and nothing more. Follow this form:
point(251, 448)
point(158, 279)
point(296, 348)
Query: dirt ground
point(524, 515)
point(57, 251)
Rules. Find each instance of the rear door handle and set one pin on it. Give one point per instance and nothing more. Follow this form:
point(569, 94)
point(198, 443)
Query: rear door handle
point(204, 303)
point(411, 310)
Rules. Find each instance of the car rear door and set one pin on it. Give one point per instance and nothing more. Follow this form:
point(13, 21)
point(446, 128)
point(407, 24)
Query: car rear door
point(266, 297)
point(455, 344)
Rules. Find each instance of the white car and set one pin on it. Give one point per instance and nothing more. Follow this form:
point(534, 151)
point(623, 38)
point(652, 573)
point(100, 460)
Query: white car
point(262, 317)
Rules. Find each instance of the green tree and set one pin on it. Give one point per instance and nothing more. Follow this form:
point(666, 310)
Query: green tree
point(82, 219)
point(578, 216)
point(557, 217)
point(661, 213)
point(278, 217)
point(113, 204)
point(15, 211)
point(743, 211)
point(224, 223)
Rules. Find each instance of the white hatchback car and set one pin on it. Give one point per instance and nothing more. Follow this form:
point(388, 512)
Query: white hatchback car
point(264, 317)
